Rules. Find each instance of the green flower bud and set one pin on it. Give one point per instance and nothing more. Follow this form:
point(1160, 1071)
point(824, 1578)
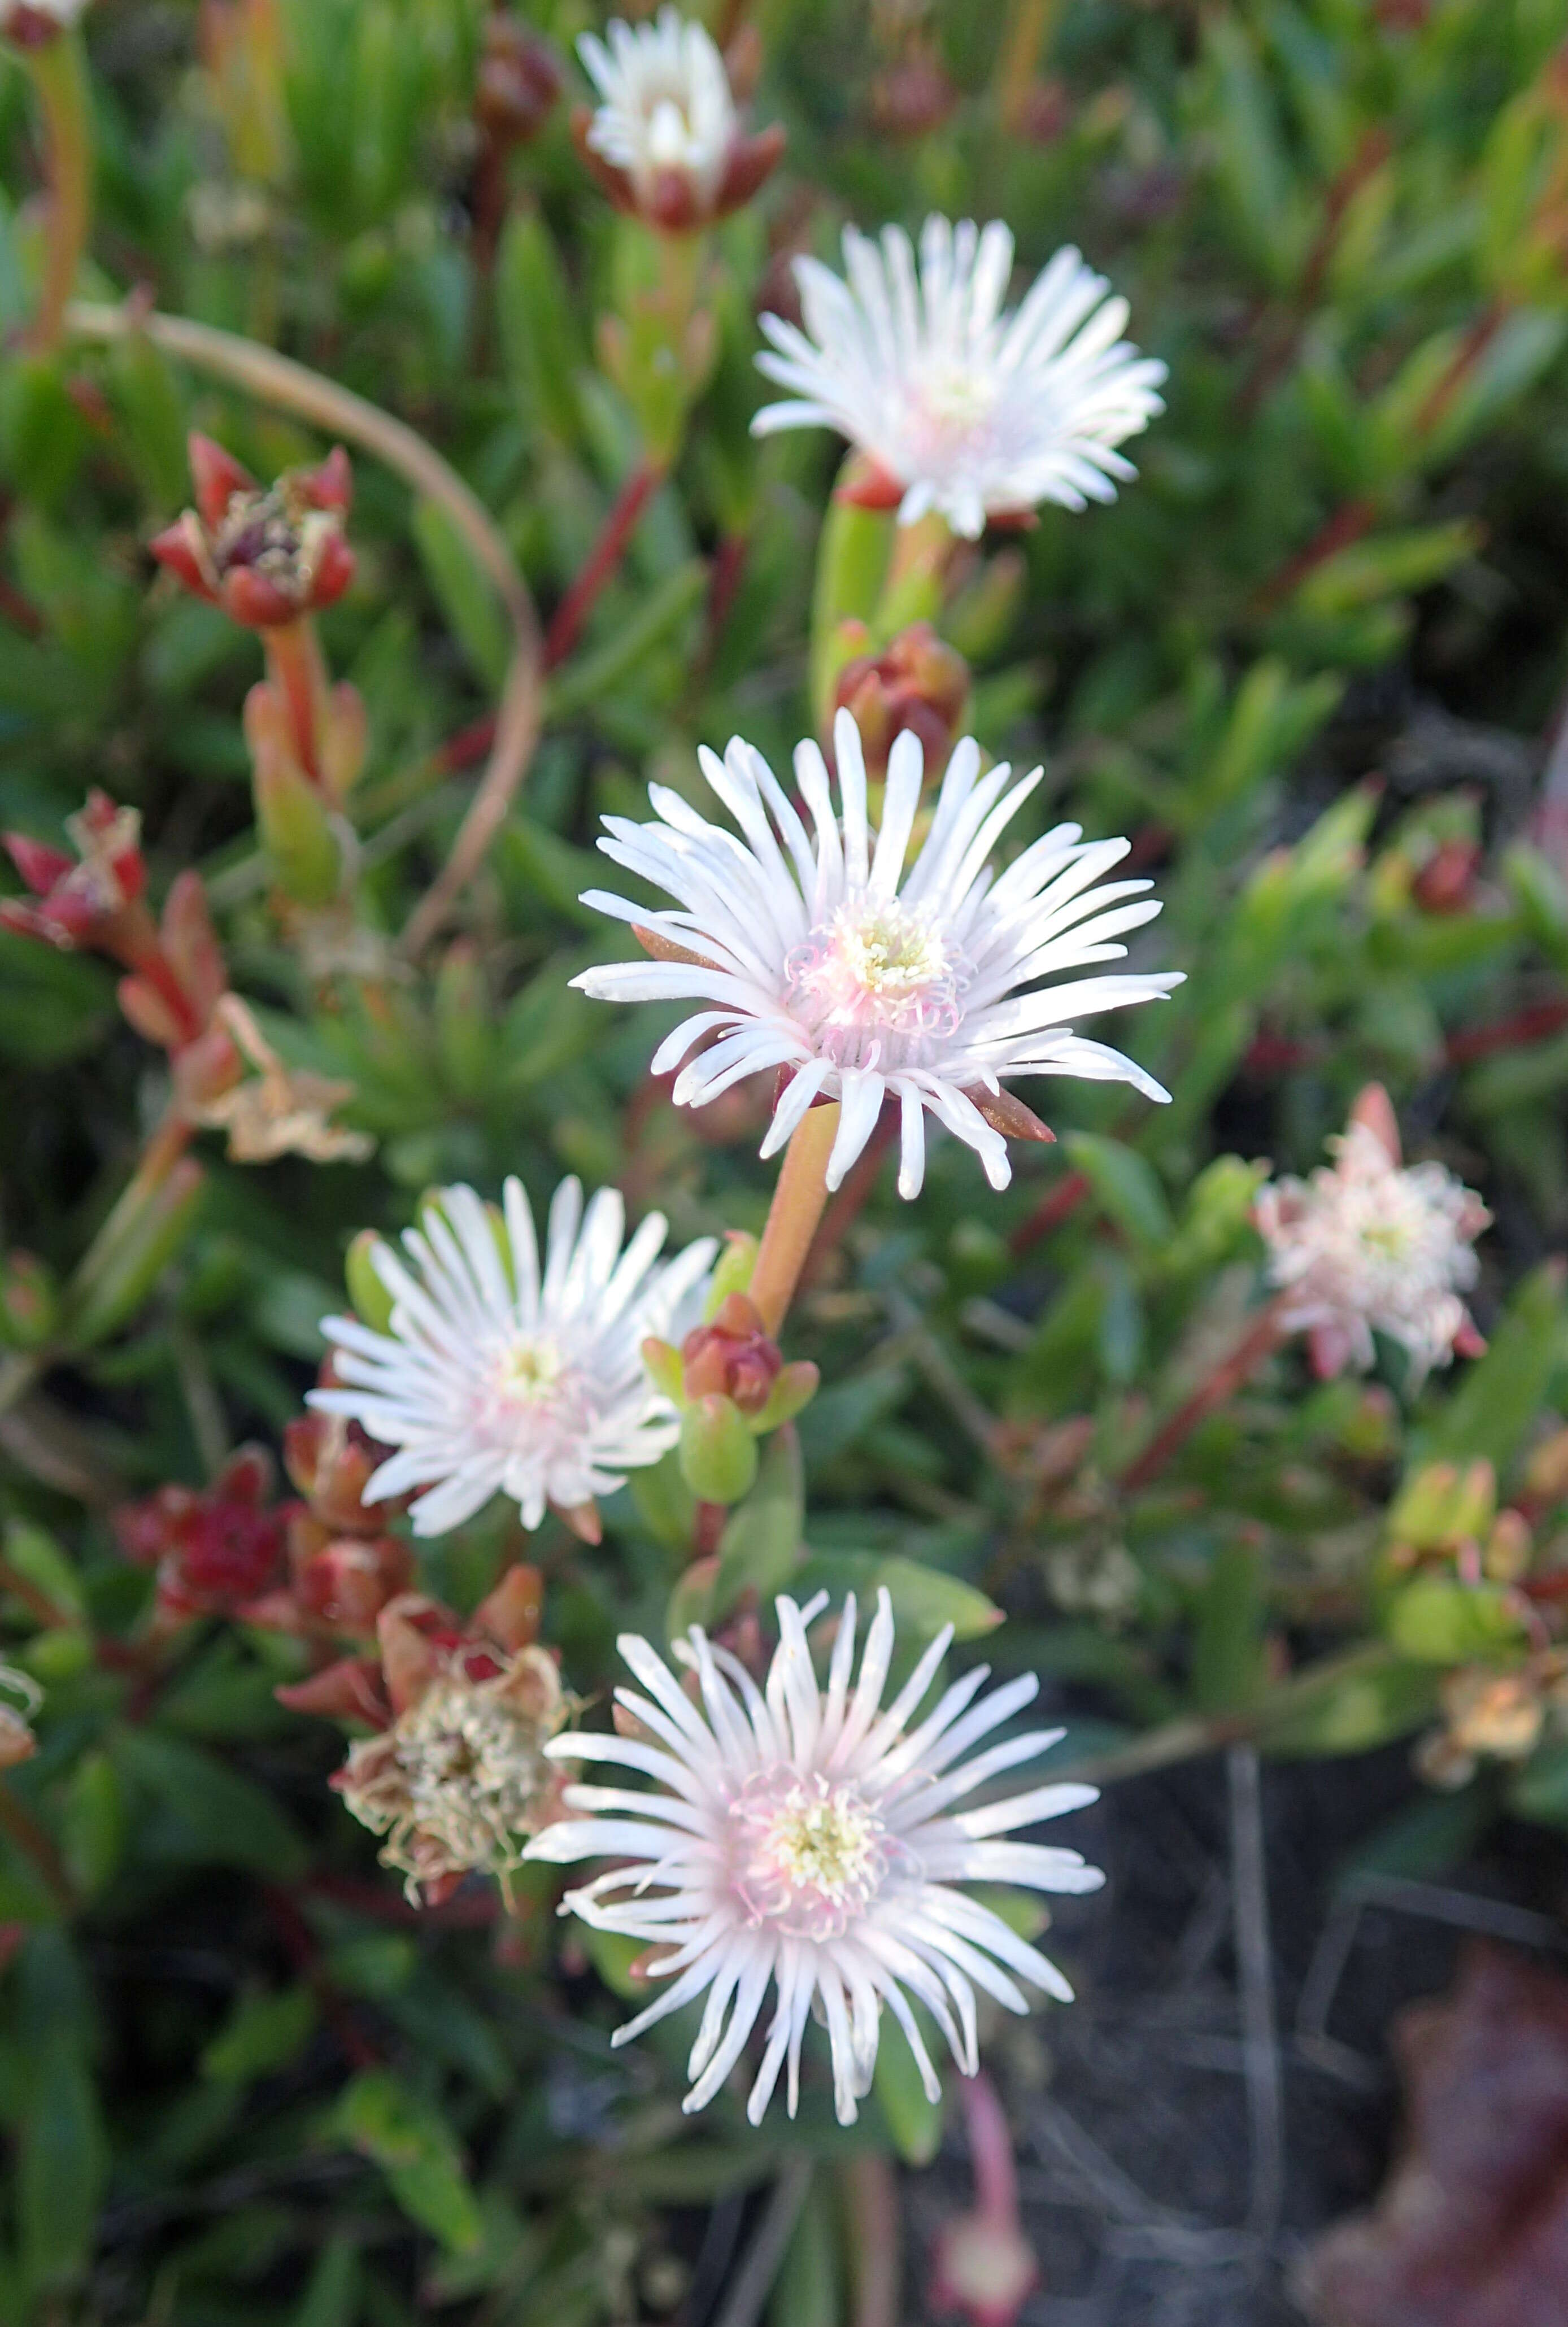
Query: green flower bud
point(662, 1359)
point(131, 1251)
point(718, 1454)
point(794, 1390)
point(731, 1271)
point(368, 1296)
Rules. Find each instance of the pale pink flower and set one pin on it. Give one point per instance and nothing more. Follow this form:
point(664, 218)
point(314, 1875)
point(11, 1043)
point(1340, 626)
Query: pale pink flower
point(812, 1840)
point(1368, 1245)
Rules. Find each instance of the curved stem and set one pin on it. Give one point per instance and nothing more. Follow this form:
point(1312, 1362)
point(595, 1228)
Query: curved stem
point(290, 387)
point(60, 76)
point(799, 1201)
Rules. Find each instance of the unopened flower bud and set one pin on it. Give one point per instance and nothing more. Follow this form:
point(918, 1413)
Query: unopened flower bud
point(266, 554)
point(347, 1582)
point(1506, 1554)
point(131, 1251)
point(916, 683)
point(368, 1297)
point(520, 77)
point(734, 1357)
point(1546, 1477)
point(718, 1454)
point(329, 1461)
point(733, 1270)
point(1446, 881)
point(911, 99)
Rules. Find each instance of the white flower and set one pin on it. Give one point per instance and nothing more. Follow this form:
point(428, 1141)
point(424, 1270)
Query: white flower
point(821, 962)
point(1366, 1246)
point(666, 103)
point(494, 1380)
point(808, 1839)
point(967, 410)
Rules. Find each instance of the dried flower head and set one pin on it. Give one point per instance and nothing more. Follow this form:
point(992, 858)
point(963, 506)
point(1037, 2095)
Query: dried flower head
point(278, 1110)
point(807, 1838)
point(958, 406)
point(266, 553)
point(1492, 1715)
point(493, 1378)
point(666, 143)
point(460, 1781)
point(865, 980)
point(1368, 1245)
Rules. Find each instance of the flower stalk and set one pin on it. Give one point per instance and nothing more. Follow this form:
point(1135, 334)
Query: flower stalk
point(58, 72)
point(799, 1202)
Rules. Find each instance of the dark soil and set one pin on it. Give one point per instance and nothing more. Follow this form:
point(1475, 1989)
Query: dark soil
point(1145, 2183)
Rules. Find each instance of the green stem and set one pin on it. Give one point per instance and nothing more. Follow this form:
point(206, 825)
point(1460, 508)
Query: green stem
point(60, 76)
point(290, 387)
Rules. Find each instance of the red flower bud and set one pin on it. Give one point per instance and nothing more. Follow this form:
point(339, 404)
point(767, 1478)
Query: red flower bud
point(520, 78)
point(916, 683)
point(734, 1357)
point(1446, 881)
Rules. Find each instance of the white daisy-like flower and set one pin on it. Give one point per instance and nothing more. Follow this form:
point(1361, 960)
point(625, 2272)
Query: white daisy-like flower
point(493, 1378)
point(962, 408)
point(813, 1840)
point(864, 980)
point(666, 103)
point(1366, 1245)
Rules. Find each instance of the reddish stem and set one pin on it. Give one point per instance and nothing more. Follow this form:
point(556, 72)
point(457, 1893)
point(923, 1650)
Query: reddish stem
point(1049, 1212)
point(566, 623)
point(1375, 146)
point(1467, 355)
point(990, 2150)
point(1525, 1026)
point(294, 665)
point(1348, 524)
point(851, 1201)
point(708, 1527)
point(724, 581)
point(1262, 1338)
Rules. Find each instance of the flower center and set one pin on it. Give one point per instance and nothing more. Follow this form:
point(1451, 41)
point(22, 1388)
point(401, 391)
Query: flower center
point(953, 411)
point(533, 1395)
point(670, 136)
point(876, 984)
point(806, 1856)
